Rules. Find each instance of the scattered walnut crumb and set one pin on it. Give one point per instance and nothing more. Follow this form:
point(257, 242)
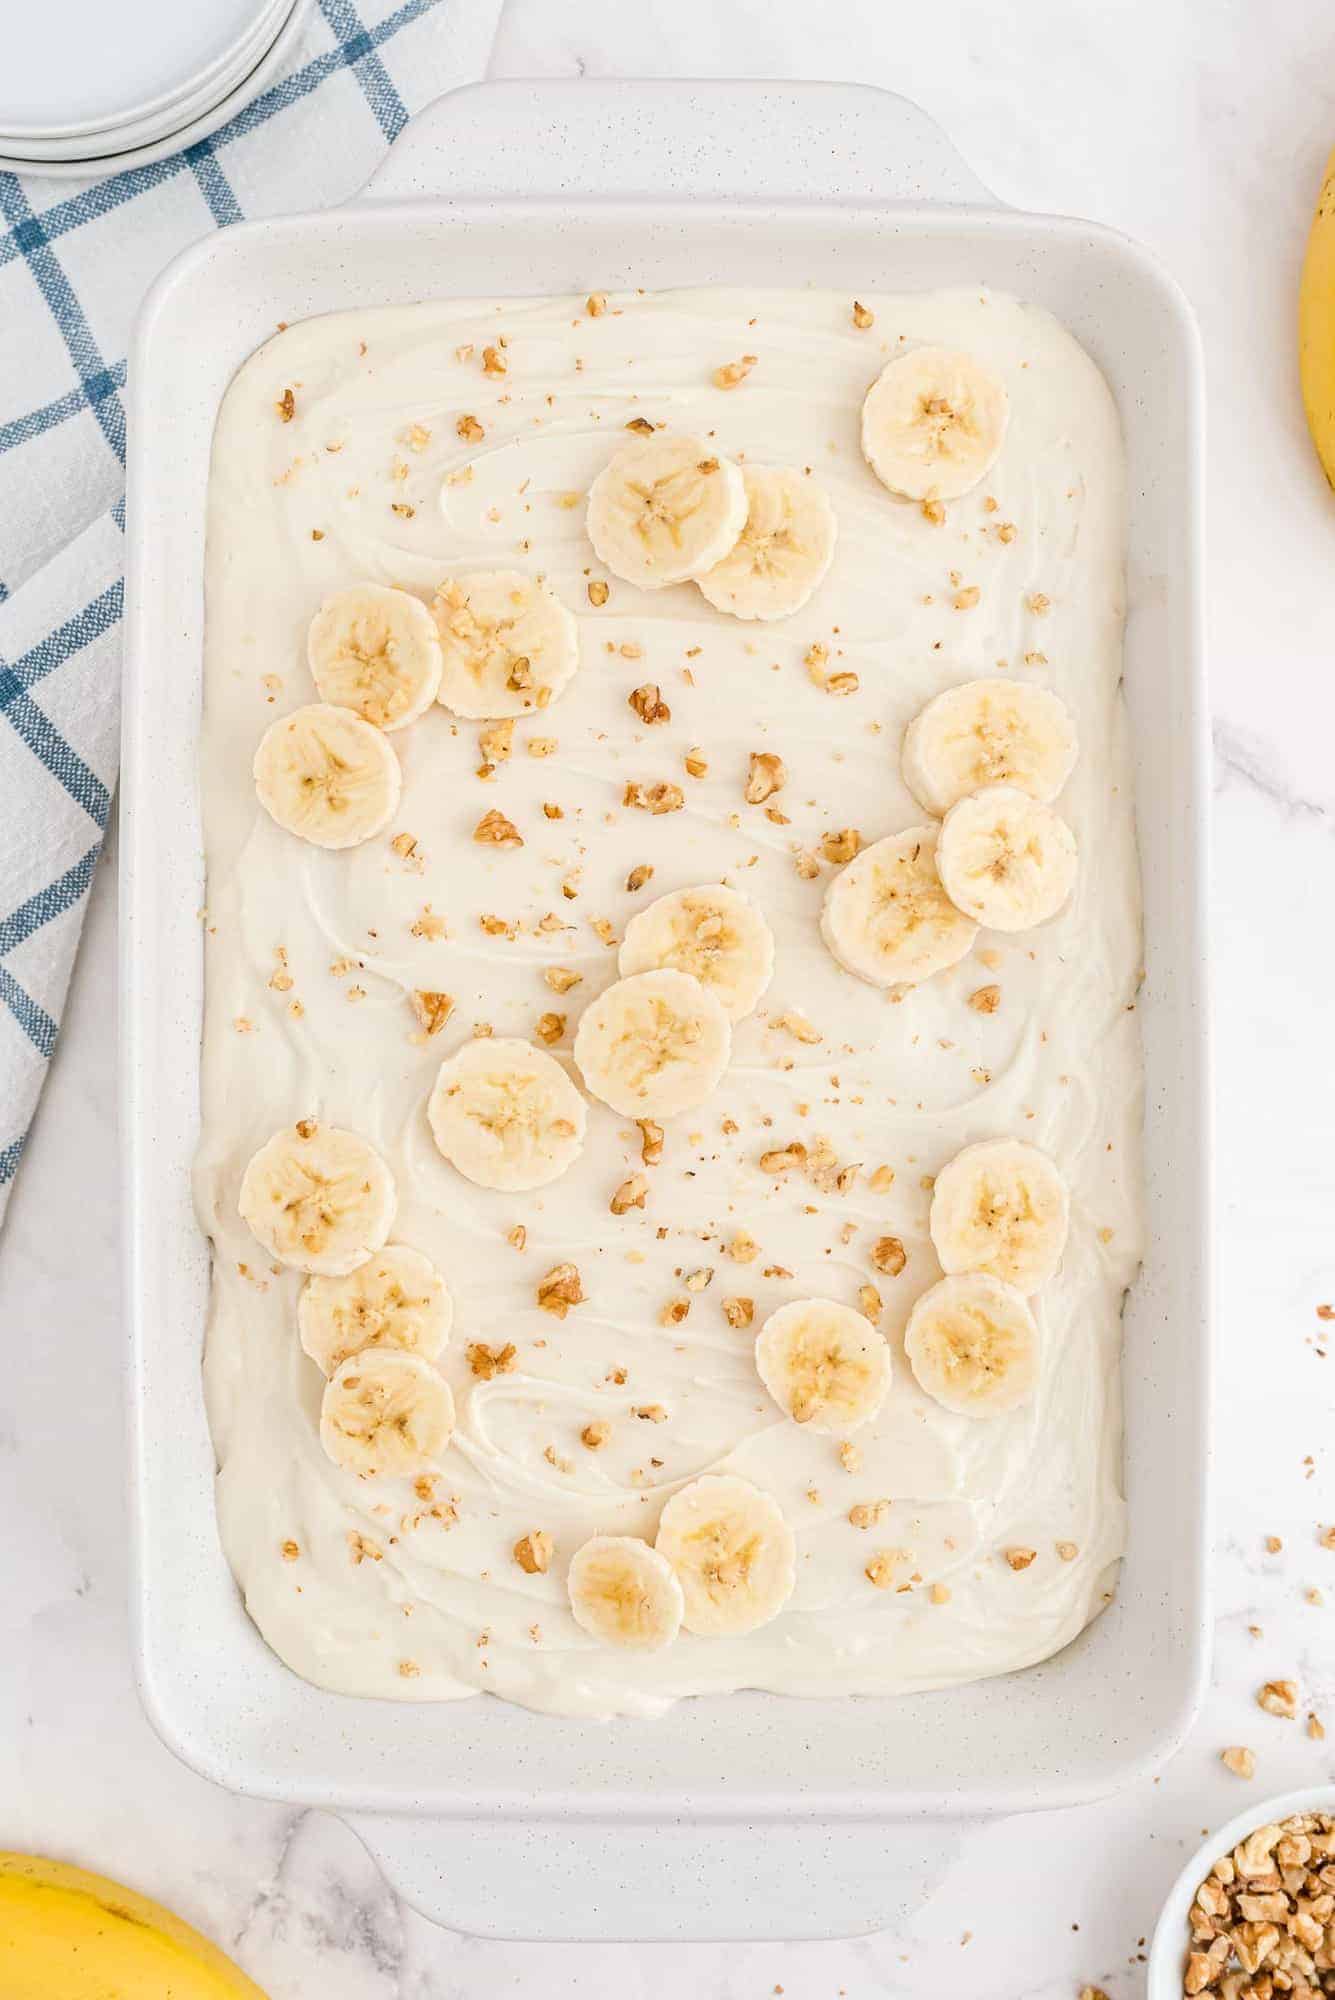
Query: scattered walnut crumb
point(1316, 1729)
point(630, 1194)
point(286, 406)
point(880, 1179)
point(1039, 604)
point(650, 1413)
point(497, 740)
point(867, 1513)
point(560, 978)
point(739, 1312)
point(881, 1569)
point(933, 510)
point(494, 362)
point(863, 316)
point(1067, 1551)
point(651, 1141)
point(361, 1550)
point(939, 1593)
point(806, 865)
point(844, 683)
point(733, 372)
point(1239, 1760)
point(639, 876)
point(488, 1361)
point(403, 509)
point(701, 1280)
point(783, 1159)
point(965, 600)
point(594, 1436)
point(743, 1248)
point(1006, 531)
point(796, 1024)
point(888, 1255)
point(409, 1669)
point(766, 775)
point(596, 304)
point(560, 1290)
point(674, 1312)
point(433, 1010)
point(551, 1027)
point(496, 830)
point(985, 999)
point(428, 925)
point(470, 430)
point(289, 1551)
point(648, 704)
point(850, 1456)
point(697, 765)
point(869, 1303)
point(517, 1237)
point(842, 845)
point(498, 926)
point(1019, 1558)
point(533, 1552)
point(1279, 1698)
point(598, 592)
point(657, 799)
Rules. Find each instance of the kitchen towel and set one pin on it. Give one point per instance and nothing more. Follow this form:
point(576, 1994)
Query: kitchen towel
point(73, 269)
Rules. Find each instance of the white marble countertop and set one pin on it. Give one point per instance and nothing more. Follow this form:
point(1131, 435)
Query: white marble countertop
point(1209, 149)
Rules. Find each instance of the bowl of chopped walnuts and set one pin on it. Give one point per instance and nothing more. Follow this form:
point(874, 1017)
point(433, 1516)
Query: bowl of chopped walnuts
point(1252, 1915)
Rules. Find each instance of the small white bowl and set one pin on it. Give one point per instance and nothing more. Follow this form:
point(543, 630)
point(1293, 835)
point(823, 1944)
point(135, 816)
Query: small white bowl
point(1168, 1952)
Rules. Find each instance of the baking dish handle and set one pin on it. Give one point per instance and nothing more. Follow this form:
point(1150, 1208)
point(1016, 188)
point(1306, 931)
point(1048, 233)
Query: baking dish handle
point(623, 138)
point(579, 1881)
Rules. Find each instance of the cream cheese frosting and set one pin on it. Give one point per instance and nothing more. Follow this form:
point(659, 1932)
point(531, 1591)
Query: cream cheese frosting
point(374, 446)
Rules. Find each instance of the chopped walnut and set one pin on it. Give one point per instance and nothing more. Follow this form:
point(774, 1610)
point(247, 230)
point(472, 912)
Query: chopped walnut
point(739, 1312)
point(880, 1179)
point(863, 316)
point(1038, 604)
point(497, 740)
point(639, 876)
point(409, 1669)
point(551, 1027)
point(496, 830)
point(428, 925)
point(470, 430)
point(844, 683)
point(560, 1290)
point(783, 1159)
point(289, 1551)
point(888, 1255)
point(433, 1010)
point(488, 1361)
point(985, 999)
point(674, 1312)
point(651, 1141)
point(841, 846)
point(641, 426)
point(1067, 1551)
point(733, 372)
point(596, 304)
point(869, 1303)
point(767, 774)
point(850, 1456)
point(650, 1413)
point(517, 1237)
point(630, 1194)
point(657, 799)
point(743, 1248)
point(881, 1569)
point(797, 1025)
point(533, 1552)
point(598, 592)
point(933, 510)
point(1279, 1698)
point(701, 1280)
point(966, 599)
point(648, 704)
point(286, 406)
point(868, 1513)
point(494, 362)
point(1019, 1558)
point(806, 865)
point(594, 1436)
point(696, 763)
point(361, 1550)
point(560, 978)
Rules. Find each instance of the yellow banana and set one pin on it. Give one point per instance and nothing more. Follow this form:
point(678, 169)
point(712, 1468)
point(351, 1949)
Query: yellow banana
point(65, 1932)
point(1316, 325)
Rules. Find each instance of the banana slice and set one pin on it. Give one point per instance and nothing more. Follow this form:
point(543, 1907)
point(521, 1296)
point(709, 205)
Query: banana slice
point(991, 732)
point(712, 933)
point(782, 553)
point(887, 916)
point(972, 1344)
point(624, 1592)
point(1001, 1207)
point(1005, 859)
point(318, 1198)
point(508, 644)
point(653, 1045)
point(376, 651)
point(396, 1300)
point(824, 1364)
point(667, 508)
point(327, 776)
point(933, 423)
point(386, 1414)
point(506, 1115)
point(733, 1553)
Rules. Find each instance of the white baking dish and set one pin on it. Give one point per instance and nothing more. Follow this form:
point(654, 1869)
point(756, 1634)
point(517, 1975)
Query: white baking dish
point(751, 1812)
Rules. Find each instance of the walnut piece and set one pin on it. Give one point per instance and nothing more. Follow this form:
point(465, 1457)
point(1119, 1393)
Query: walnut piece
point(648, 704)
point(598, 592)
point(494, 362)
point(433, 1010)
point(630, 1194)
point(888, 1255)
point(841, 846)
point(651, 1141)
point(733, 372)
point(639, 876)
point(1019, 1558)
point(1239, 1760)
point(1279, 1698)
point(863, 316)
point(551, 1027)
point(766, 776)
point(560, 1290)
point(985, 999)
point(697, 765)
point(494, 829)
point(560, 978)
point(488, 1361)
point(596, 304)
point(470, 430)
point(783, 1159)
point(739, 1312)
point(869, 1303)
point(594, 1436)
point(533, 1552)
point(657, 799)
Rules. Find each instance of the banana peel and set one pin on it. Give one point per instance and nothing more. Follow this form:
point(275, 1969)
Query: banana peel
point(69, 1935)
point(1316, 325)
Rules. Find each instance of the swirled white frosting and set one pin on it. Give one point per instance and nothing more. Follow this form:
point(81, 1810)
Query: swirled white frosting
point(383, 1596)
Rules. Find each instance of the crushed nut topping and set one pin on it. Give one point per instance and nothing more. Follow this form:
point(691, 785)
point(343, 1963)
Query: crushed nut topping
point(433, 1010)
point(766, 775)
point(650, 1413)
point(985, 999)
point(598, 592)
point(594, 1436)
point(428, 924)
point(488, 1361)
point(641, 425)
point(289, 1551)
point(934, 511)
point(470, 430)
point(965, 600)
point(286, 406)
point(560, 978)
point(1038, 603)
point(630, 1194)
point(517, 1237)
point(1279, 1698)
point(863, 317)
point(881, 1569)
point(696, 764)
point(560, 1290)
point(743, 1248)
point(783, 1159)
point(495, 829)
point(796, 1024)
point(868, 1513)
point(494, 362)
point(733, 372)
point(841, 846)
point(739, 1312)
point(648, 704)
point(1239, 1760)
point(639, 876)
point(869, 1303)
point(850, 1456)
point(674, 1312)
point(1019, 1558)
point(651, 1141)
point(596, 304)
point(660, 798)
point(497, 740)
point(888, 1255)
point(551, 1027)
point(533, 1552)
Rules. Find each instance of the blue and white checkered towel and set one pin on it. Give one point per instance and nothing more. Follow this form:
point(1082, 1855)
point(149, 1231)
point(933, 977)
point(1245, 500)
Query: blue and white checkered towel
point(73, 268)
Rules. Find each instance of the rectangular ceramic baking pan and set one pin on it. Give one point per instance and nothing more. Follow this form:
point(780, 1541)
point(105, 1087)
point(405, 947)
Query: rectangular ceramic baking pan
point(752, 1814)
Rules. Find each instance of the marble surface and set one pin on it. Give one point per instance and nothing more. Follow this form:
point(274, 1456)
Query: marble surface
point(1209, 150)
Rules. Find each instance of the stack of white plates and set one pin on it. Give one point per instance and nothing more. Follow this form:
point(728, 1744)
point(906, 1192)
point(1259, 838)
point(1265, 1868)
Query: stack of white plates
point(96, 86)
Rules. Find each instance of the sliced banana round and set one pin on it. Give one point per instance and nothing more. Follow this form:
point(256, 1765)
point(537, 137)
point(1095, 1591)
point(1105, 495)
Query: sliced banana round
point(1006, 860)
point(397, 1300)
point(733, 1553)
point(508, 644)
point(972, 1344)
point(933, 423)
point(783, 551)
point(989, 732)
point(386, 1414)
point(318, 1198)
point(327, 776)
point(824, 1364)
point(376, 650)
point(667, 508)
point(625, 1593)
point(887, 916)
point(653, 1045)
point(506, 1115)
point(1004, 1208)
point(717, 936)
